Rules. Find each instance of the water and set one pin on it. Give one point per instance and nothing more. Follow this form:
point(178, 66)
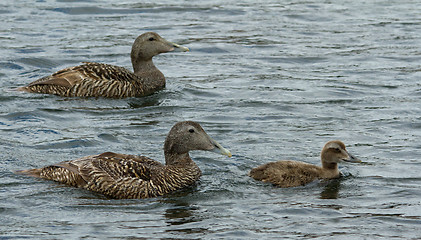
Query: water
point(269, 80)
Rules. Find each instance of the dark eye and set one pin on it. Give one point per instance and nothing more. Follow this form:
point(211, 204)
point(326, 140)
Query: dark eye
point(191, 130)
point(151, 39)
point(337, 150)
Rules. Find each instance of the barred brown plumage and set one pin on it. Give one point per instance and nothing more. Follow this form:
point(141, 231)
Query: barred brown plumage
point(103, 80)
point(128, 176)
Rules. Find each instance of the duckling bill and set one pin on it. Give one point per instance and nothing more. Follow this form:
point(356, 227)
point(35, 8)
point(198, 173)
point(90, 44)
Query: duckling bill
point(294, 173)
point(93, 79)
point(125, 176)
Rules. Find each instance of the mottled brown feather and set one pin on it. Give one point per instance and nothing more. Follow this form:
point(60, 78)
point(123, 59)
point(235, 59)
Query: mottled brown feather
point(286, 173)
point(122, 176)
point(93, 79)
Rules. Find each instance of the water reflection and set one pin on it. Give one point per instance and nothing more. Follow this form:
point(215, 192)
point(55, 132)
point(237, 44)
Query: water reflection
point(149, 101)
point(181, 210)
point(182, 214)
point(331, 190)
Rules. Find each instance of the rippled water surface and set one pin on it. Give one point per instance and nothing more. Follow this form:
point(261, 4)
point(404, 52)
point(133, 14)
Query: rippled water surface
point(269, 80)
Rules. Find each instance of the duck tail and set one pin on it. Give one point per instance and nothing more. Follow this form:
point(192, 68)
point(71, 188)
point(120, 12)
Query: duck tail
point(36, 172)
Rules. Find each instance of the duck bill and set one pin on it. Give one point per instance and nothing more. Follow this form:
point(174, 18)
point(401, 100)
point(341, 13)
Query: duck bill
point(177, 48)
point(220, 149)
point(352, 159)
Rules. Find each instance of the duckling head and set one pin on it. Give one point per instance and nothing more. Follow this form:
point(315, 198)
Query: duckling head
point(334, 152)
point(188, 136)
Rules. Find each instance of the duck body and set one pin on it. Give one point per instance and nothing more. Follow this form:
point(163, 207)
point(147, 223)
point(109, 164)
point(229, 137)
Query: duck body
point(286, 173)
point(291, 173)
point(103, 80)
point(98, 80)
point(123, 176)
point(120, 176)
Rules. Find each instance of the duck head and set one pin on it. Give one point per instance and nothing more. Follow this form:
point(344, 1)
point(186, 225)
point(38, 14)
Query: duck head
point(335, 152)
point(188, 136)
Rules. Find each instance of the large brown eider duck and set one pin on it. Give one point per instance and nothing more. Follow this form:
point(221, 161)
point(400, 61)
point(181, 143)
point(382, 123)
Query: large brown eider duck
point(103, 80)
point(295, 173)
point(128, 176)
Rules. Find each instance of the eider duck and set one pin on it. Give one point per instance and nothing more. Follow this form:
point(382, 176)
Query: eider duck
point(103, 80)
point(294, 173)
point(124, 176)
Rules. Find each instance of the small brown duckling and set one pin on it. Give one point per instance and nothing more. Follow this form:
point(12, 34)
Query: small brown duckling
point(103, 80)
point(127, 176)
point(294, 173)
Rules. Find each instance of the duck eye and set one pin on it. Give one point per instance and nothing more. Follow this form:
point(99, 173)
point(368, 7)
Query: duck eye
point(191, 130)
point(151, 39)
point(337, 150)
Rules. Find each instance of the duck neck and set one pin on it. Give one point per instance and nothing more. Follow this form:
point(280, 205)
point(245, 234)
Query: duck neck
point(149, 77)
point(330, 169)
point(140, 66)
point(177, 158)
point(330, 166)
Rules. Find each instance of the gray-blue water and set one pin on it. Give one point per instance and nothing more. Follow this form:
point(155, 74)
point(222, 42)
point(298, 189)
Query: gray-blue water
point(268, 80)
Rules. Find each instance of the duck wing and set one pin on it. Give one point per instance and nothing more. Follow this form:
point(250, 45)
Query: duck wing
point(115, 166)
point(112, 174)
point(88, 79)
point(120, 175)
